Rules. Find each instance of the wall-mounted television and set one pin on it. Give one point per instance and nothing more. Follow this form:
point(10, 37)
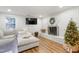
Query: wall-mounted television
point(31, 21)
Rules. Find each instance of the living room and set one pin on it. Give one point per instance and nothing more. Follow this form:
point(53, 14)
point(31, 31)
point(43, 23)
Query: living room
point(32, 29)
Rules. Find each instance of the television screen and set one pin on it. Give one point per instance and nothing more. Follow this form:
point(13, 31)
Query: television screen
point(31, 21)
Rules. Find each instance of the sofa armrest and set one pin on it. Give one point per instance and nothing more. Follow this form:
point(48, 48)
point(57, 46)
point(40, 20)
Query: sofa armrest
point(9, 36)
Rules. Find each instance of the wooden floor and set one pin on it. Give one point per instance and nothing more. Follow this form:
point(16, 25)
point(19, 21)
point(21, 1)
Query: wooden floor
point(46, 46)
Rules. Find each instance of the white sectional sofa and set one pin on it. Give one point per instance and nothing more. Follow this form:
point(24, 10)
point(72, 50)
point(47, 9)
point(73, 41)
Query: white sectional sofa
point(25, 40)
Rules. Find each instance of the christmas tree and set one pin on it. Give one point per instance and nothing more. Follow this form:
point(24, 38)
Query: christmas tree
point(71, 34)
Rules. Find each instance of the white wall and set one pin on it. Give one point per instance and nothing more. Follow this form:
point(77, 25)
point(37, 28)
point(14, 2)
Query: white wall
point(45, 23)
point(20, 21)
point(64, 17)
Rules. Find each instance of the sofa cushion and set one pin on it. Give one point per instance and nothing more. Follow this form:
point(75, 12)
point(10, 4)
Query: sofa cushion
point(6, 33)
point(8, 36)
point(22, 35)
point(26, 41)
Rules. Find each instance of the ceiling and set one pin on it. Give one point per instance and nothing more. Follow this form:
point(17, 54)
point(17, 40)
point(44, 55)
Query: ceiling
point(33, 11)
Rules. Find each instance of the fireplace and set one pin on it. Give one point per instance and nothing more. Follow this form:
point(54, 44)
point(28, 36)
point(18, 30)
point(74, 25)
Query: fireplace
point(53, 30)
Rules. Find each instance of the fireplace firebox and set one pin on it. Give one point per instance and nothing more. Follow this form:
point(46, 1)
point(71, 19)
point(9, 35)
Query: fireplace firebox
point(53, 30)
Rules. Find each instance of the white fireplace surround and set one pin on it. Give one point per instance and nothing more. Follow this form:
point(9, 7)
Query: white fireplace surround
point(58, 39)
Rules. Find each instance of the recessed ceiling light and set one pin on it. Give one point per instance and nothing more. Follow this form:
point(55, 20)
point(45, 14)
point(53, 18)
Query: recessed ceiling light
point(9, 10)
